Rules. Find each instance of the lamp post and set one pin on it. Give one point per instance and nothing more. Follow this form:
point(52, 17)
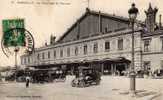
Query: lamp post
point(133, 11)
point(16, 50)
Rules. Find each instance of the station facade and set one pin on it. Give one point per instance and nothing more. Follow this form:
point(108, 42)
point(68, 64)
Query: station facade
point(103, 41)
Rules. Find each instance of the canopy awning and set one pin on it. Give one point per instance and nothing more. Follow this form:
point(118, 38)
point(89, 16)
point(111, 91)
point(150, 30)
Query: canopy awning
point(85, 61)
point(118, 59)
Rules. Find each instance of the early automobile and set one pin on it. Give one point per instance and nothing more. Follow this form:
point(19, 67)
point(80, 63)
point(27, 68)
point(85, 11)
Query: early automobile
point(86, 76)
point(59, 75)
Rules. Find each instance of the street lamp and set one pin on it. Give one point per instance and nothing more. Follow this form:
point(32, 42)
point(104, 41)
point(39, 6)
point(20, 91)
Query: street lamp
point(133, 11)
point(16, 50)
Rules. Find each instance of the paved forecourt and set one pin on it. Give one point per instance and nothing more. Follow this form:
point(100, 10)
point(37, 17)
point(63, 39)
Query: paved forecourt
point(111, 88)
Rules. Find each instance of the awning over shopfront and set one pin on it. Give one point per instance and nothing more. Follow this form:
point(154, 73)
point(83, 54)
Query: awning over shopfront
point(85, 61)
point(116, 60)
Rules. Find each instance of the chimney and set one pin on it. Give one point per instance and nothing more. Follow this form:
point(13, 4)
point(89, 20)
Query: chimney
point(46, 44)
point(151, 18)
point(87, 10)
point(160, 24)
point(99, 23)
point(52, 39)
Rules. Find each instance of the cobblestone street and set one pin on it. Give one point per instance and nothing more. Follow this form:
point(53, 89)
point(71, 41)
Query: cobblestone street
point(111, 88)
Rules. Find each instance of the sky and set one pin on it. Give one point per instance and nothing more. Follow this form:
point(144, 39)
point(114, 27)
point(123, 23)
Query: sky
point(53, 17)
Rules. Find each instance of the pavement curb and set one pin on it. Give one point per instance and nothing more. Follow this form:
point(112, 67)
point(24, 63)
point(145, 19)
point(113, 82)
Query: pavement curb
point(155, 96)
point(150, 97)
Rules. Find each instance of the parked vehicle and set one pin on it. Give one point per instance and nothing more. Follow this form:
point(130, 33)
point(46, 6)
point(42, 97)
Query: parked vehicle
point(48, 75)
point(59, 75)
point(86, 77)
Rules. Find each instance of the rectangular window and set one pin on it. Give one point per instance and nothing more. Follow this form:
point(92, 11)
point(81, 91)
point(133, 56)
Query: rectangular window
point(48, 54)
point(38, 56)
point(147, 45)
point(120, 44)
point(107, 46)
point(61, 53)
point(24, 60)
point(76, 51)
point(95, 48)
point(106, 29)
point(28, 59)
point(68, 52)
point(147, 65)
point(85, 49)
point(54, 53)
point(43, 55)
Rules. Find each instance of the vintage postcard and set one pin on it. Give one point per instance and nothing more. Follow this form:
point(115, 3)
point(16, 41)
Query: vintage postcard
point(81, 50)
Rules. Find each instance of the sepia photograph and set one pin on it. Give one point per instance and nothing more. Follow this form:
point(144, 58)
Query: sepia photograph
point(81, 50)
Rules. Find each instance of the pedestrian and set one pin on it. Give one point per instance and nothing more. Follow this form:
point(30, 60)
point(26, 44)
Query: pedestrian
point(27, 81)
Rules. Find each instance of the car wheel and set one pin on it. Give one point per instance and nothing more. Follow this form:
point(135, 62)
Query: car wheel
point(81, 84)
point(73, 83)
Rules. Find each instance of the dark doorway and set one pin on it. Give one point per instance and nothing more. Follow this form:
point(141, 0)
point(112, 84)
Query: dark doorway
point(107, 68)
point(120, 68)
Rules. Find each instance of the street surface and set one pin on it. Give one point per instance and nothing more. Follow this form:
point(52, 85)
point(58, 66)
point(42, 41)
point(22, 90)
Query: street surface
point(111, 88)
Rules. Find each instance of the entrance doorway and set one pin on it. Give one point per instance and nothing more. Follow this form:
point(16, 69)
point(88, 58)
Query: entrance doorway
point(120, 68)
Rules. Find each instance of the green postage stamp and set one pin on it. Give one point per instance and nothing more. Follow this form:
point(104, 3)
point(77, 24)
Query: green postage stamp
point(13, 34)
